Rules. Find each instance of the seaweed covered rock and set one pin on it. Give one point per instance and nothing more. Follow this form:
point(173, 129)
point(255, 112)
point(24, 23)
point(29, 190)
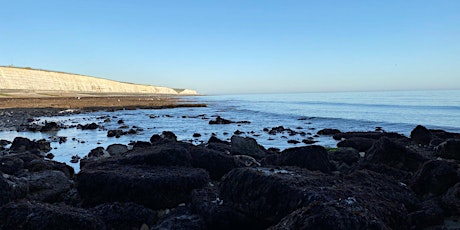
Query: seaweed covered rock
point(125, 215)
point(361, 144)
point(35, 215)
point(246, 146)
point(435, 177)
point(312, 157)
point(153, 187)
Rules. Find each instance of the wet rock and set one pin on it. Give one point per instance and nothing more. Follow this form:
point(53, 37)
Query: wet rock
point(48, 186)
point(348, 156)
point(246, 146)
point(293, 142)
point(385, 151)
point(4, 143)
point(153, 187)
point(49, 127)
point(115, 133)
point(359, 143)
point(328, 132)
point(49, 156)
point(169, 136)
point(180, 218)
point(165, 137)
point(339, 215)
point(449, 149)
point(141, 144)
point(421, 135)
point(91, 126)
point(372, 135)
point(216, 214)
point(21, 144)
point(11, 165)
point(268, 195)
point(35, 215)
point(125, 215)
point(220, 121)
point(451, 200)
point(216, 163)
point(39, 165)
point(435, 177)
point(430, 214)
point(117, 149)
point(98, 152)
point(309, 141)
point(312, 157)
point(196, 135)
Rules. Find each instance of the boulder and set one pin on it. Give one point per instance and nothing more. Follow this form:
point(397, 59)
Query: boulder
point(451, 200)
point(268, 195)
point(165, 137)
point(215, 213)
point(117, 149)
point(361, 144)
point(384, 151)
point(153, 187)
point(421, 135)
point(21, 144)
point(115, 133)
point(11, 165)
point(50, 127)
point(435, 177)
point(216, 163)
point(328, 132)
point(220, 121)
point(48, 186)
point(449, 149)
point(348, 156)
point(91, 126)
point(35, 215)
point(39, 165)
point(98, 152)
point(125, 215)
point(372, 135)
point(312, 157)
point(246, 146)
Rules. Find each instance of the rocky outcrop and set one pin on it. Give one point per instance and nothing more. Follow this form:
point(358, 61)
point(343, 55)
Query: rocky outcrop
point(42, 80)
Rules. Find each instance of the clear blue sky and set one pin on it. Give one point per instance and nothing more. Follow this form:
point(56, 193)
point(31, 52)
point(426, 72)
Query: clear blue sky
point(240, 46)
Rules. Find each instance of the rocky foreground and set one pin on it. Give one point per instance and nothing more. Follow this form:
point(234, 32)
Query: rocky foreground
point(373, 180)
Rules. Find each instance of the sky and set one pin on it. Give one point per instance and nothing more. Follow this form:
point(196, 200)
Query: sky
point(240, 46)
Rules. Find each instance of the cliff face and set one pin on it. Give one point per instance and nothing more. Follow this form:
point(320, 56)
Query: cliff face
point(31, 79)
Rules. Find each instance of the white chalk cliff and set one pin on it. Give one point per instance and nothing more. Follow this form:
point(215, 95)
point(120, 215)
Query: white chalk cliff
point(13, 78)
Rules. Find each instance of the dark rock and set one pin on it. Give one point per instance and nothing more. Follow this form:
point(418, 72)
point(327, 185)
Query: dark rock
point(38, 165)
point(421, 135)
point(115, 133)
point(50, 126)
point(153, 187)
point(165, 137)
point(120, 121)
point(451, 200)
point(443, 135)
point(117, 149)
point(196, 135)
point(449, 149)
point(387, 152)
point(268, 195)
point(246, 146)
point(328, 132)
point(372, 135)
point(339, 215)
point(180, 218)
point(238, 132)
point(11, 165)
point(125, 215)
point(97, 152)
point(220, 121)
point(49, 156)
point(48, 186)
point(359, 143)
point(349, 156)
point(216, 214)
point(435, 177)
point(214, 139)
point(35, 215)
point(293, 142)
point(312, 157)
point(21, 144)
point(4, 143)
point(216, 163)
point(43, 145)
point(430, 214)
point(141, 144)
point(309, 141)
point(91, 126)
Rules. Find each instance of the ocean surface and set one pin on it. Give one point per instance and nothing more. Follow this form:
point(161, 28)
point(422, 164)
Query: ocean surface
point(393, 111)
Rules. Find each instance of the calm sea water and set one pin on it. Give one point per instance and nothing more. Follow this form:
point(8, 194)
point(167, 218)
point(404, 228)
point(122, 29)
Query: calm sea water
point(397, 111)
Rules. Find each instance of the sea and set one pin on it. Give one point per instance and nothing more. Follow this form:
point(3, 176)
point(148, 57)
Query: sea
point(254, 114)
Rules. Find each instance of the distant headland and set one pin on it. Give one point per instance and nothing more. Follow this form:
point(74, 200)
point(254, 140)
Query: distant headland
point(37, 82)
